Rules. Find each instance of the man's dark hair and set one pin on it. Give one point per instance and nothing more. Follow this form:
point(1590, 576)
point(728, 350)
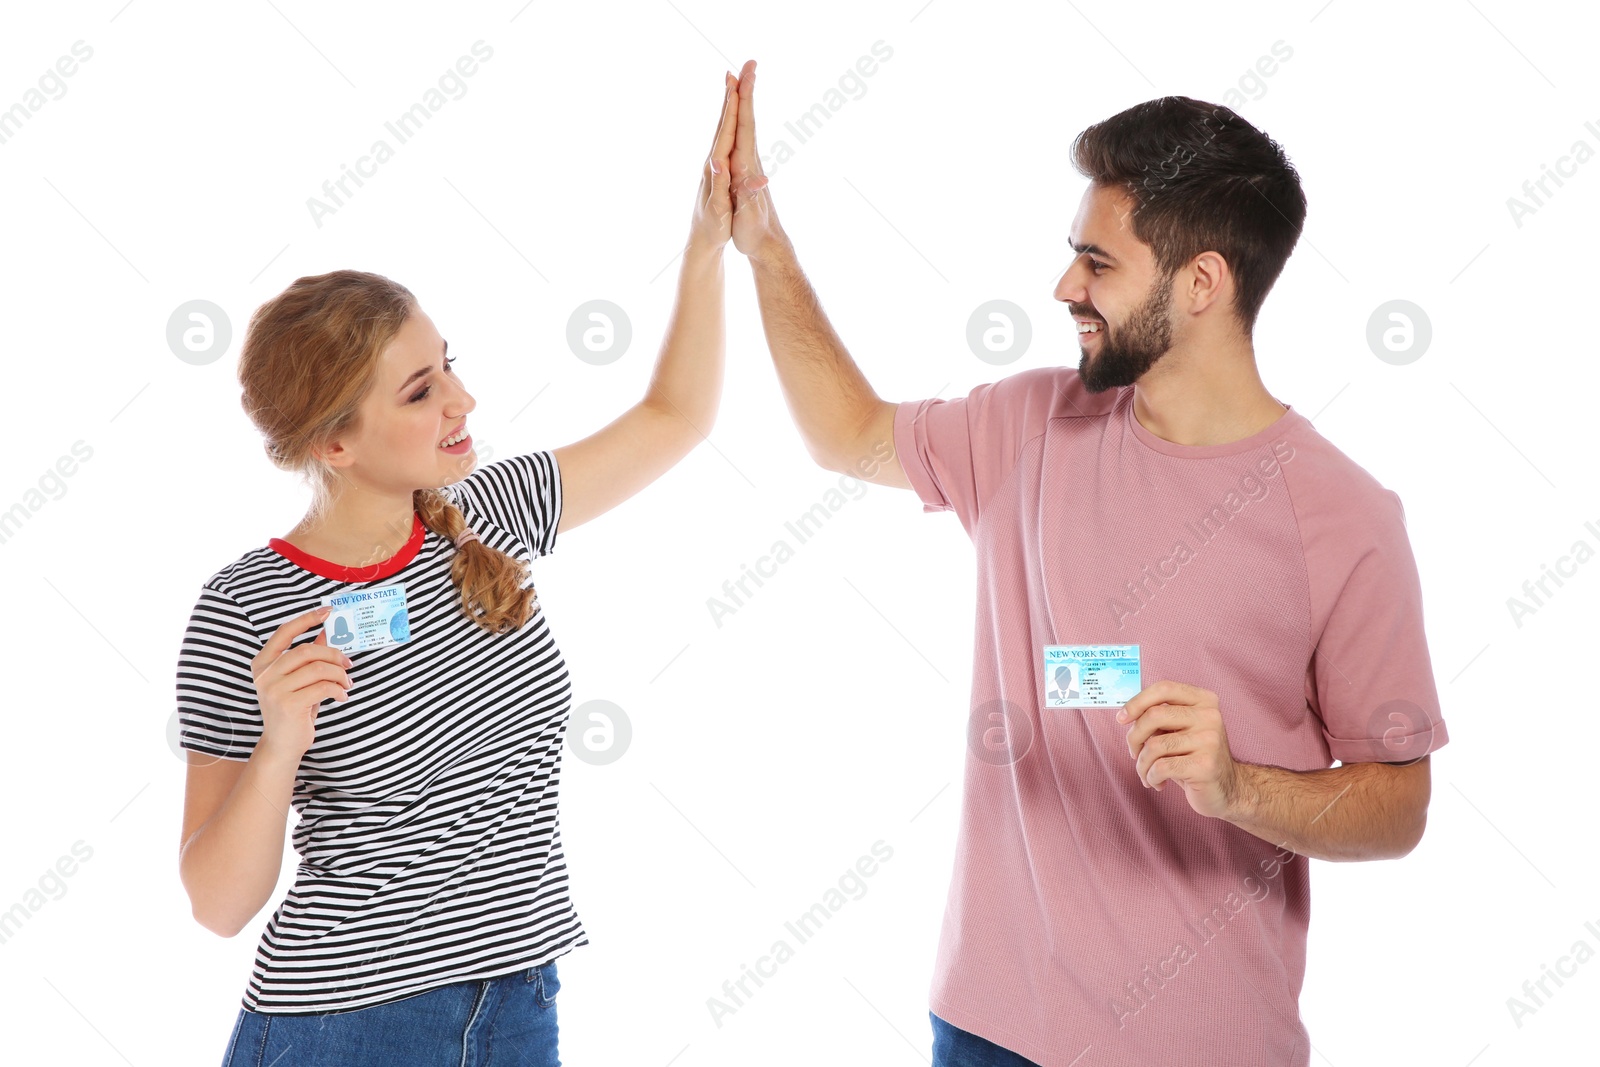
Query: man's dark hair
point(1202, 179)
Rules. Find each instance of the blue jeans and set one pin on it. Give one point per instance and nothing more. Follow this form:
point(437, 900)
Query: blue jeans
point(955, 1047)
point(506, 1021)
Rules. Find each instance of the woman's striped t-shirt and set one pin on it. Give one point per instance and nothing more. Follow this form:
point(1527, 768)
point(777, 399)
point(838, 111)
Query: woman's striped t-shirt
point(428, 834)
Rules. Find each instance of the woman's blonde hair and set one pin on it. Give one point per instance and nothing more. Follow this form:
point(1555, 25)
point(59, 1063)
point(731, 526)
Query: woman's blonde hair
point(309, 358)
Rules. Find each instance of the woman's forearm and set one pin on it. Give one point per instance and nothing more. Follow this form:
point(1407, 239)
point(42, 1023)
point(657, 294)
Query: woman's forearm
point(230, 865)
point(687, 380)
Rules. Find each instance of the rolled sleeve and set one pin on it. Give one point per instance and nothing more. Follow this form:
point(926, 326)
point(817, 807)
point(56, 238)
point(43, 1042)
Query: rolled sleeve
point(956, 453)
point(1371, 678)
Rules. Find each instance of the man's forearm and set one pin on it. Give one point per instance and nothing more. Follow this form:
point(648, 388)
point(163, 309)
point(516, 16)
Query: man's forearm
point(828, 397)
point(1356, 811)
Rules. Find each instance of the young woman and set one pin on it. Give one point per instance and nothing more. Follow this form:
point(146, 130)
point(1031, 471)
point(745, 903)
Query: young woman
point(430, 903)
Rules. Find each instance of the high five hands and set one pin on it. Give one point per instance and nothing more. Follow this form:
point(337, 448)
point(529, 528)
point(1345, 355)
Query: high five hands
point(733, 201)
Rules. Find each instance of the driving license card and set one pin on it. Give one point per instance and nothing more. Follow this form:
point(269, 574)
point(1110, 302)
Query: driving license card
point(367, 618)
point(1090, 676)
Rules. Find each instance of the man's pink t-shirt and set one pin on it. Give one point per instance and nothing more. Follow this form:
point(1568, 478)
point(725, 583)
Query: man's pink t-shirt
point(1091, 921)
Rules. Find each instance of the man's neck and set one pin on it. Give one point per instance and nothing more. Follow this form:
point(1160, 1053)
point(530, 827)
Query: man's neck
point(1222, 402)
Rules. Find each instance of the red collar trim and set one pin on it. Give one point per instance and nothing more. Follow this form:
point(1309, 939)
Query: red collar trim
point(371, 573)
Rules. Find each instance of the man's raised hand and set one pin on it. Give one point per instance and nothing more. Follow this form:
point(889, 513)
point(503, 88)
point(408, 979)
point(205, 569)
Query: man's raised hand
point(755, 223)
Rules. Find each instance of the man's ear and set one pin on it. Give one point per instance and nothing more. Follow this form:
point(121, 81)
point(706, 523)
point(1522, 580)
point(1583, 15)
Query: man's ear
point(1210, 280)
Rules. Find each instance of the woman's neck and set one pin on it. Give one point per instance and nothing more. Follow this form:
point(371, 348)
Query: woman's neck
point(336, 544)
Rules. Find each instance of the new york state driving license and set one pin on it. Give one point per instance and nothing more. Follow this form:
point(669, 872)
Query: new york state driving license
point(367, 618)
point(1090, 676)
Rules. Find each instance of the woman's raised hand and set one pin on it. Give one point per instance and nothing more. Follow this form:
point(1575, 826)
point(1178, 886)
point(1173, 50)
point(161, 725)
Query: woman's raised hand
point(292, 684)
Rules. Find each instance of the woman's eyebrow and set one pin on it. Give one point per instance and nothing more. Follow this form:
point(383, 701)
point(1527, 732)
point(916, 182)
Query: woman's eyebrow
point(419, 373)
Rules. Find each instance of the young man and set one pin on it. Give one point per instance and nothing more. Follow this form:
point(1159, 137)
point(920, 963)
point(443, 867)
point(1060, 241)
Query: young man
point(1257, 585)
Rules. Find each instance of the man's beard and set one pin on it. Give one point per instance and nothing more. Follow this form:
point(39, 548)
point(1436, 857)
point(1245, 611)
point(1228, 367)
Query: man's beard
point(1139, 342)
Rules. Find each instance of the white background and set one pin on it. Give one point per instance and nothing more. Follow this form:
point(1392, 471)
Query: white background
point(829, 712)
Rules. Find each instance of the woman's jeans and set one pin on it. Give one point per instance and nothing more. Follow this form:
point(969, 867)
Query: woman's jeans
point(955, 1047)
point(506, 1021)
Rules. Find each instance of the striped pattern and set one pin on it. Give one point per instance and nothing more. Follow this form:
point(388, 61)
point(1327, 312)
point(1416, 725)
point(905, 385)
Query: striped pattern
point(428, 835)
